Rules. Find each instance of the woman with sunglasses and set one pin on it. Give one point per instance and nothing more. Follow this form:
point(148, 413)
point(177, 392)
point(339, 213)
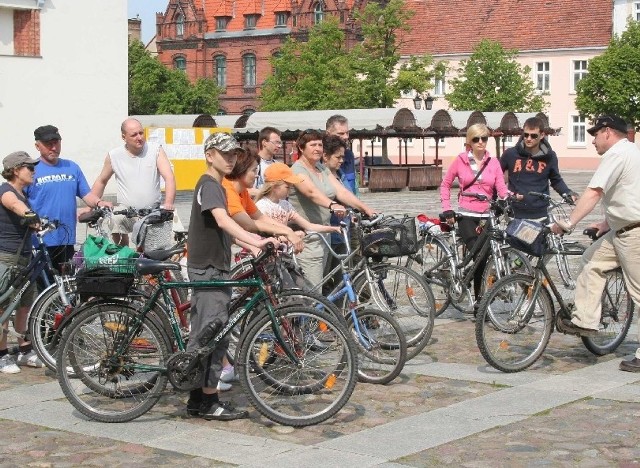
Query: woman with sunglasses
point(15, 249)
point(476, 172)
point(315, 197)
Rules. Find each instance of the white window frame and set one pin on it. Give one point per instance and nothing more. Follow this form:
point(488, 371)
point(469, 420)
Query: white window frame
point(636, 11)
point(180, 25)
point(440, 86)
point(544, 76)
point(442, 142)
point(578, 127)
point(250, 21)
point(282, 18)
point(318, 13)
point(509, 141)
point(575, 72)
point(222, 21)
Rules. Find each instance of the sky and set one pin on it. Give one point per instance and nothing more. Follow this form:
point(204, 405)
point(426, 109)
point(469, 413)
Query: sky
point(147, 10)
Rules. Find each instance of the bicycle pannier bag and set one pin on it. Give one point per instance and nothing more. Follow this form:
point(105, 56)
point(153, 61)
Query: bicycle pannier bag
point(526, 236)
point(393, 238)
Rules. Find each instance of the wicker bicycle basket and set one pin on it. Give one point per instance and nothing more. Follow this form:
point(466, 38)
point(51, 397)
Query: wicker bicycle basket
point(392, 238)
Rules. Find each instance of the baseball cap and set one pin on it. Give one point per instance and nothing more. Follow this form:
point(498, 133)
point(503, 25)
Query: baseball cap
point(280, 171)
point(611, 121)
point(17, 158)
point(47, 133)
point(221, 141)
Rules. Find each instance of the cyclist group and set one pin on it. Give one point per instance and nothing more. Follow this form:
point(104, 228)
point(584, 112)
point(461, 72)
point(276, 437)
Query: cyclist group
point(318, 187)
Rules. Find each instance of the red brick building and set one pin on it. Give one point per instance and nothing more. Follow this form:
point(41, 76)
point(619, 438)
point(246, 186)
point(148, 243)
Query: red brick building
point(232, 41)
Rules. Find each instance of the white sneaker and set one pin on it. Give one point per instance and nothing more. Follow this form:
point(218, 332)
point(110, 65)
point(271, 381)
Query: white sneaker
point(228, 374)
point(8, 365)
point(30, 359)
point(223, 386)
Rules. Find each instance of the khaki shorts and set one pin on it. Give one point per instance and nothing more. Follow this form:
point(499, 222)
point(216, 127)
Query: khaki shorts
point(31, 293)
point(120, 224)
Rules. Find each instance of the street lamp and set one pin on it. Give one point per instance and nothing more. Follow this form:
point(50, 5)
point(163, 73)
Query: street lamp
point(428, 101)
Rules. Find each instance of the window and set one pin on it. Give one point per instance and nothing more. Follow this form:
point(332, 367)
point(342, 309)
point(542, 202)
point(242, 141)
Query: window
point(249, 70)
point(578, 130)
point(221, 70)
point(221, 23)
point(432, 142)
point(542, 76)
point(281, 19)
point(636, 11)
point(508, 141)
point(318, 13)
point(180, 25)
point(439, 87)
point(20, 32)
point(579, 72)
point(250, 21)
point(180, 63)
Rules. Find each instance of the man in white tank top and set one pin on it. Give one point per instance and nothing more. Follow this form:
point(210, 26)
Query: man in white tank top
point(138, 166)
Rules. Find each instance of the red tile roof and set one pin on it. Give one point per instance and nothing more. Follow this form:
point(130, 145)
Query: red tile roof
point(456, 26)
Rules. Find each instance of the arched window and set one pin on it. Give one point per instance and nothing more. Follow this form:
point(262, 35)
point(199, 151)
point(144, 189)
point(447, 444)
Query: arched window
point(220, 64)
point(249, 70)
point(180, 63)
point(180, 25)
point(318, 13)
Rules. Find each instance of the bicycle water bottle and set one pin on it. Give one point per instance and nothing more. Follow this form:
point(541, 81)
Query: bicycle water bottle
point(209, 332)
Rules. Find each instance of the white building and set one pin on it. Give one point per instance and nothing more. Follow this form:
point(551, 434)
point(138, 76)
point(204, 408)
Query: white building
point(64, 62)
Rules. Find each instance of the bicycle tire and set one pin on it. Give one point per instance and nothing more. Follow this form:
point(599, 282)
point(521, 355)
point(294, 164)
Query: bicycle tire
point(120, 391)
point(516, 331)
point(431, 253)
point(45, 311)
point(616, 318)
point(382, 348)
point(405, 295)
point(285, 392)
point(568, 270)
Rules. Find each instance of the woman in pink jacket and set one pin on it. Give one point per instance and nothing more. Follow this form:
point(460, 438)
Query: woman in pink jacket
point(476, 172)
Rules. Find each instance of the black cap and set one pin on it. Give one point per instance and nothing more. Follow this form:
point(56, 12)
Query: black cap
point(47, 133)
point(611, 121)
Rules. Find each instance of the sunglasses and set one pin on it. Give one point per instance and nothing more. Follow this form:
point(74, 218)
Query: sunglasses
point(477, 139)
point(31, 167)
point(533, 136)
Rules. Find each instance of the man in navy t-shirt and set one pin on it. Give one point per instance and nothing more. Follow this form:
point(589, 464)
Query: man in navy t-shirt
point(339, 125)
point(56, 184)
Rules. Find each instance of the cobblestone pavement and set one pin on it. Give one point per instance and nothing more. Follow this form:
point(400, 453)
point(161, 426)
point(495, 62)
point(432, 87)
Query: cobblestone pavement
point(447, 407)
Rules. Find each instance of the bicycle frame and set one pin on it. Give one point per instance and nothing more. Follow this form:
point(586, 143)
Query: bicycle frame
point(163, 288)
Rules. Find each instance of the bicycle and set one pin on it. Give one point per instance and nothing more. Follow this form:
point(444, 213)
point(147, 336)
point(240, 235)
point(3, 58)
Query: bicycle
point(123, 358)
point(39, 263)
point(400, 292)
point(382, 347)
point(517, 316)
point(449, 267)
point(51, 311)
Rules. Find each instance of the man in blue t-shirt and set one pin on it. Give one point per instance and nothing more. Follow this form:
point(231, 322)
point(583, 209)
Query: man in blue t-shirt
point(56, 184)
point(338, 125)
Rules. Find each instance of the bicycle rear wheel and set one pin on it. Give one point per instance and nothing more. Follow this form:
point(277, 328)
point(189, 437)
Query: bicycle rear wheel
point(297, 393)
point(512, 326)
point(617, 315)
point(406, 296)
point(382, 348)
point(108, 372)
point(511, 261)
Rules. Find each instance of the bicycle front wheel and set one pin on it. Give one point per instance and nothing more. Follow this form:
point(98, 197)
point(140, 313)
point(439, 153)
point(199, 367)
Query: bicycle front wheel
point(617, 315)
point(310, 389)
point(45, 316)
point(403, 294)
point(513, 326)
point(382, 348)
point(510, 261)
point(111, 363)
point(432, 263)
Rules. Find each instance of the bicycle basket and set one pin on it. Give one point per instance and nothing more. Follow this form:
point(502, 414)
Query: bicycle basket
point(103, 282)
point(526, 236)
point(393, 238)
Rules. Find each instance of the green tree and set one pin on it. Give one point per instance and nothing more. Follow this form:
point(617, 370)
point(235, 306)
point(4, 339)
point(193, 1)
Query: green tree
point(612, 84)
point(376, 59)
point(492, 80)
point(322, 74)
point(316, 74)
point(156, 89)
